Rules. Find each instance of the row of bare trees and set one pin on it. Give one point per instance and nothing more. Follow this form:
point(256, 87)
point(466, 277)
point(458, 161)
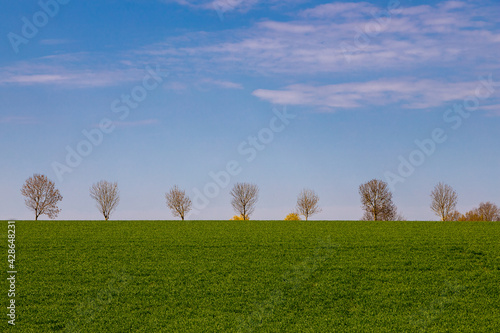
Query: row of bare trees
point(244, 200)
point(376, 200)
point(444, 203)
point(42, 197)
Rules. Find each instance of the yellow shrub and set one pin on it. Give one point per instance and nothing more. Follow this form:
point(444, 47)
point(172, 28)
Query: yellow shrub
point(292, 217)
point(237, 218)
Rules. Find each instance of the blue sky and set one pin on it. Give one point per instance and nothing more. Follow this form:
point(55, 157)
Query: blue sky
point(287, 95)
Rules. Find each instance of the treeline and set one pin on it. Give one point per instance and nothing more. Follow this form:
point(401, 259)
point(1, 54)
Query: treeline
point(42, 197)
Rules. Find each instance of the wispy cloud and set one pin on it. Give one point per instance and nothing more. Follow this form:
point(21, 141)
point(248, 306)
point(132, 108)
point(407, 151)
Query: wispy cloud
point(225, 5)
point(288, 27)
point(183, 84)
point(427, 55)
point(454, 38)
point(341, 10)
point(209, 83)
point(414, 94)
point(66, 73)
point(311, 42)
point(82, 79)
point(242, 6)
point(492, 110)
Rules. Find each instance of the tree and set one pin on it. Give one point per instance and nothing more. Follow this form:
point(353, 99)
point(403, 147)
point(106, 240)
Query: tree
point(245, 197)
point(238, 218)
point(454, 216)
point(178, 202)
point(292, 217)
point(489, 211)
point(376, 201)
point(472, 215)
point(307, 203)
point(41, 196)
point(486, 211)
point(444, 201)
point(107, 197)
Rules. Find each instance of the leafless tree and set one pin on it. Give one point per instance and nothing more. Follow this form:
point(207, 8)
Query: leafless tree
point(307, 203)
point(376, 201)
point(454, 216)
point(245, 197)
point(178, 202)
point(107, 197)
point(388, 213)
point(444, 200)
point(489, 211)
point(41, 196)
point(471, 216)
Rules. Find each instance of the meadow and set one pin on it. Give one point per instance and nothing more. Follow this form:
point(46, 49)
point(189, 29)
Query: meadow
point(255, 276)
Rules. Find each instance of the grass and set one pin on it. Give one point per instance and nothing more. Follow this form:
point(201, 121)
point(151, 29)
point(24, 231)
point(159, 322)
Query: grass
point(255, 276)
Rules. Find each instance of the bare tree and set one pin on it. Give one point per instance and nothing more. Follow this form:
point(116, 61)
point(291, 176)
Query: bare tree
point(444, 200)
point(489, 211)
point(307, 203)
point(41, 196)
point(454, 216)
point(107, 197)
point(245, 197)
point(471, 216)
point(178, 202)
point(376, 201)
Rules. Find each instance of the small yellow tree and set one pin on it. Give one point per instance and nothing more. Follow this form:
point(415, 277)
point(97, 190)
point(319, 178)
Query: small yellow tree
point(238, 218)
point(292, 217)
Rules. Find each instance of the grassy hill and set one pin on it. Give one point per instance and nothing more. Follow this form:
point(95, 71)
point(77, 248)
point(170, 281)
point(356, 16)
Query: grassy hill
point(255, 276)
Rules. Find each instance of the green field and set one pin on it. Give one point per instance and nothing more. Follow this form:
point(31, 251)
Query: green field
point(255, 276)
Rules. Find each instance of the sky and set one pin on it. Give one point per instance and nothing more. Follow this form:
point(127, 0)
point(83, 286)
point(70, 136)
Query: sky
point(287, 95)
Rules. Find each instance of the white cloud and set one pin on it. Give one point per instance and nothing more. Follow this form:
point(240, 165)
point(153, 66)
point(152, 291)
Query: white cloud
point(288, 27)
point(412, 46)
point(243, 6)
point(73, 78)
point(221, 84)
point(340, 9)
point(64, 71)
point(415, 94)
point(221, 5)
point(451, 35)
